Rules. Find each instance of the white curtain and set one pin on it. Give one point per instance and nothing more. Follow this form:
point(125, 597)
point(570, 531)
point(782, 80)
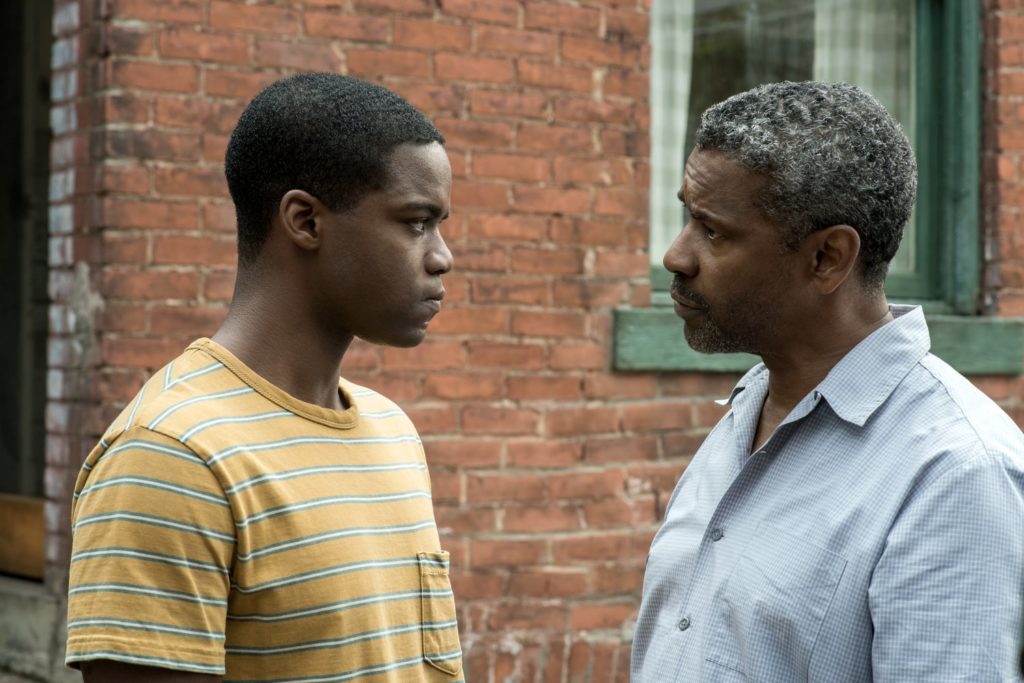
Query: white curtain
point(672, 54)
point(870, 43)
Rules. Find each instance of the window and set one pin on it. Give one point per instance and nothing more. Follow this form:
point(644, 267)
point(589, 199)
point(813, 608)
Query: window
point(922, 59)
point(24, 178)
point(705, 50)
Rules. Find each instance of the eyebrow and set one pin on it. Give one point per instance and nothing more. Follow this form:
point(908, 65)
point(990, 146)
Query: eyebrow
point(696, 213)
point(432, 209)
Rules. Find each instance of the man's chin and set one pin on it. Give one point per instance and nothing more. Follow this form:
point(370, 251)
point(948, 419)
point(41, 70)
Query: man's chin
point(703, 338)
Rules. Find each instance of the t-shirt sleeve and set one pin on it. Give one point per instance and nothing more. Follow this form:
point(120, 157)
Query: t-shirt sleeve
point(153, 540)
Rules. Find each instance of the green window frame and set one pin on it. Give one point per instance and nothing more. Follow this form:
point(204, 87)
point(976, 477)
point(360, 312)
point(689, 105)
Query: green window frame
point(947, 274)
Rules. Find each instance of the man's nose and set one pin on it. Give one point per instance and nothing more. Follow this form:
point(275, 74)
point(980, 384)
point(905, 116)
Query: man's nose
point(680, 257)
point(439, 259)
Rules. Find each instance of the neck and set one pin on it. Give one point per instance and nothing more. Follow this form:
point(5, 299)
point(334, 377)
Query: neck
point(803, 364)
point(280, 340)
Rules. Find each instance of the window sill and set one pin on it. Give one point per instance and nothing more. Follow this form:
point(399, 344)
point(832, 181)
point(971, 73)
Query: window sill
point(652, 339)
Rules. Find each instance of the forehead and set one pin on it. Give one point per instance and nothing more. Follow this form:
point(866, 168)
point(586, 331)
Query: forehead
point(715, 181)
point(418, 168)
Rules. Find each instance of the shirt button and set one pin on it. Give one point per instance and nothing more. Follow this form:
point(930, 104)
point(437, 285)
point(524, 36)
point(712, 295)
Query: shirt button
point(684, 623)
point(716, 535)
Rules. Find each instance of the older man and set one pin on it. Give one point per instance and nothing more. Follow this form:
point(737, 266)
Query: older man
point(858, 514)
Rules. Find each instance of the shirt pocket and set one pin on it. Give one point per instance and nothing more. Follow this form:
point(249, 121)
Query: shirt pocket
point(440, 630)
point(767, 614)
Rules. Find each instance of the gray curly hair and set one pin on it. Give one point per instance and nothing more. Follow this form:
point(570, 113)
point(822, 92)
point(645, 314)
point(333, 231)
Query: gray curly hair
point(832, 154)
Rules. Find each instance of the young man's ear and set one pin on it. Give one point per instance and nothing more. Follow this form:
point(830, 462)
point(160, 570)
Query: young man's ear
point(834, 252)
point(300, 214)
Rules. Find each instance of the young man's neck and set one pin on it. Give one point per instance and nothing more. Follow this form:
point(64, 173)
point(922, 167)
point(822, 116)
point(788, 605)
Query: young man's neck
point(280, 341)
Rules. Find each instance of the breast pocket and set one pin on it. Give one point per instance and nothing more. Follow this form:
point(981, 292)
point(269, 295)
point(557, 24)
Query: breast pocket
point(767, 614)
point(440, 630)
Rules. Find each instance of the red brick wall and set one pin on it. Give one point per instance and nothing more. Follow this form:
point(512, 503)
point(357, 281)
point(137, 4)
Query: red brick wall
point(550, 470)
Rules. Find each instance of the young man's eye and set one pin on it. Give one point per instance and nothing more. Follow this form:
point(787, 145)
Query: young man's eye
point(418, 225)
point(711, 234)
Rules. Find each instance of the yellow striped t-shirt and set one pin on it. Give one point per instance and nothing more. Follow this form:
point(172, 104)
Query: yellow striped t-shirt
point(223, 526)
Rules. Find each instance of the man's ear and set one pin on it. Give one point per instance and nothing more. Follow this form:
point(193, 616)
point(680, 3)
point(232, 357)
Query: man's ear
point(834, 252)
point(301, 216)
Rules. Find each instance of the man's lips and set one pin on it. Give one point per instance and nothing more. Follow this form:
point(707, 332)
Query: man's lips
point(686, 307)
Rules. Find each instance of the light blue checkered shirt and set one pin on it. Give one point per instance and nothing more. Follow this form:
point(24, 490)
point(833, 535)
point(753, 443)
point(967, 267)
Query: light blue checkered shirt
point(878, 535)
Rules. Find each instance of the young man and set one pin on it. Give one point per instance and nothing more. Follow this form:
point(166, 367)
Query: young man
point(251, 515)
point(858, 514)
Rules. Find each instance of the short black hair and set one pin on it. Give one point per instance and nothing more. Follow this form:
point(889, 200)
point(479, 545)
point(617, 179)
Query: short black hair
point(327, 134)
point(832, 155)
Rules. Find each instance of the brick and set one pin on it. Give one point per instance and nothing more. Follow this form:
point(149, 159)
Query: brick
point(654, 477)
point(430, 355)
point(461, 387)
point(544, 388)
point(602, 615)
point(515, 42)
point(123, 213)
point(367, 29)
point(626, 202)
point(450, 67)
point(579, 357)
point(620, 386)
point(581, 420)
point(505, 289)
point(657, 415)
point(124, 178)
point(623, 83)
point(124, 107)
point(541, 519)
point(456, 521)
point(155, 76)
point(548, 324)
point(595, 51)
point(562, 18)
point(554, 76)
point(618, 264)
point(137, 352)
point(253, 18)
point(431, 97)
point(189, 321)
point(618, 579)
point(592, 547)
point(151, 144)
point(504, 488)
point(430, 34)
point(587, 484)
point(150, 284)
point(445, 487)
point(462, 452)
point(555, 582)
point(620, 449)
point(598, 233)
point(470, 134)
point(193, 250)
point(472, 321)
point(493, 11)
point(627, 25)
point(593, 172)
point(505, 552)
point(219, 216)
point(511, 104)
point(508, 227)
point(551, 200)
point(611, 513)
point(434, 420)
point(218, 286)
point(587, 110)
point(177, 11)
point(474, 257)
point(589, 293)
point(565, 139)
point(237, 84)
point(480, 419)
point(189, 43)
point(410, 6)
point(512, 166)
point(193, 182)
point(387, 63)
point(196, 113)
point(563, 261)
point(543, 453)
point(120, 39)
point(467, 194)
point(301, 56)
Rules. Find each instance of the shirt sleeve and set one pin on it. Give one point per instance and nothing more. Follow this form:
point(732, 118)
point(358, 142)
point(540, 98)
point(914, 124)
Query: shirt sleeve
point(945, 598)
point(153, 539)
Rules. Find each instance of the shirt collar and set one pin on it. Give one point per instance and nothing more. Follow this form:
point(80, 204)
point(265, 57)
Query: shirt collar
point(865, 377)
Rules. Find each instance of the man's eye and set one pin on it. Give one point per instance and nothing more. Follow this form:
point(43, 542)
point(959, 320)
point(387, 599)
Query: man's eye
point(418, 225)
point(711, 234)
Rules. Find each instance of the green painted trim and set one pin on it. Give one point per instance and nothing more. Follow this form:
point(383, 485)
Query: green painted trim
point(652, 339)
